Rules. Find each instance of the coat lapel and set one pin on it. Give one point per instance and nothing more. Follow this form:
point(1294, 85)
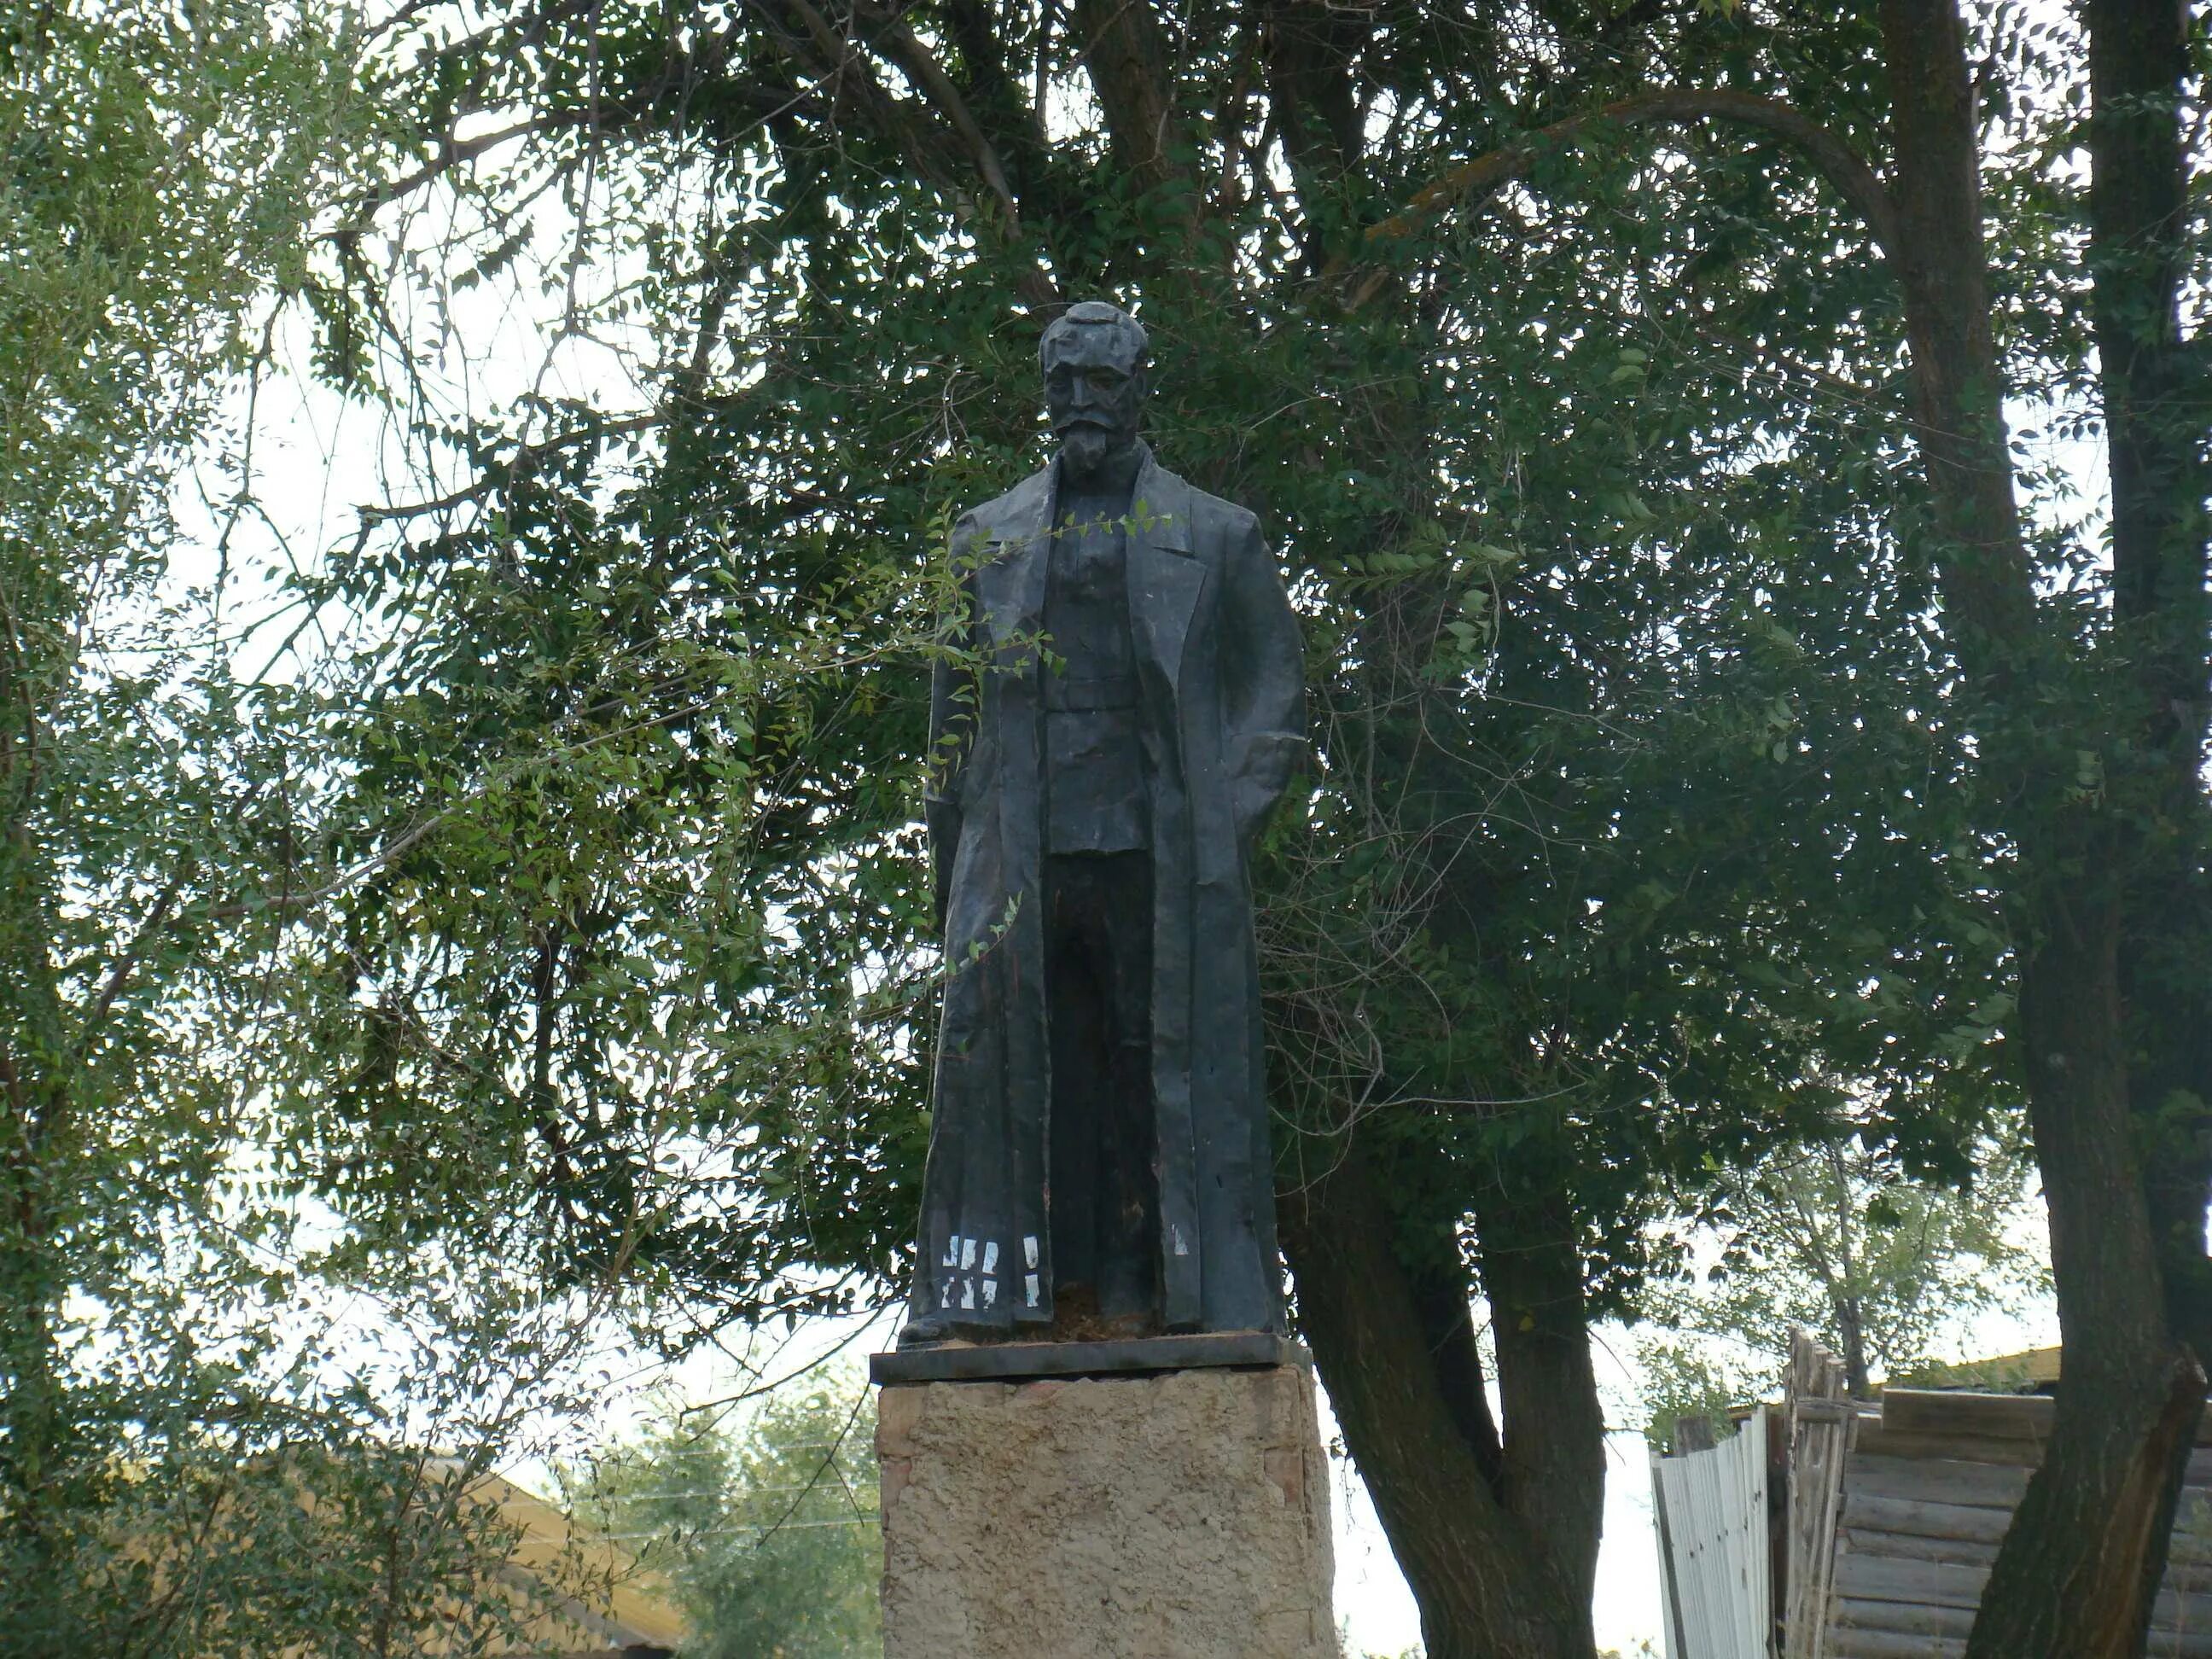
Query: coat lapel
point(1164, 579)
point(1011, 580)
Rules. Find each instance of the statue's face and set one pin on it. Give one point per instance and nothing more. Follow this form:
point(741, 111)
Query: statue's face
point(1094, 392)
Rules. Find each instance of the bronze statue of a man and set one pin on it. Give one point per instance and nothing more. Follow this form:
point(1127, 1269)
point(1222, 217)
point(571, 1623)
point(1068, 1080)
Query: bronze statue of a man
point(1098, 1155)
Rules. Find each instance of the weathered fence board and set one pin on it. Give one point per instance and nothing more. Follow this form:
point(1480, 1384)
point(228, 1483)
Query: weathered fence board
point(1937, 1480)
point(1981, 1416)
point(1925, 1518)
point(1970, 1533)
point(1920, 1583)
point(1905, 1617)
point(1895, 1516)
point(1915, 1546)
point(1714, 1503)
point(1848, 1644)
point(1989, 1451)
point(1820, 1424)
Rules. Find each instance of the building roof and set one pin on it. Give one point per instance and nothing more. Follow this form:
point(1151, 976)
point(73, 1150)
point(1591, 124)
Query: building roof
point(630, 1609)
point(2025, 1372)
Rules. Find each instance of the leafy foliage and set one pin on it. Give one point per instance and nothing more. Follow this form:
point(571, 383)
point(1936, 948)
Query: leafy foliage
point(562, 926)
point(192, 1459)
point(1647, 800)
point(1630, 698)
point(1834, 1240)
point(768, 1533)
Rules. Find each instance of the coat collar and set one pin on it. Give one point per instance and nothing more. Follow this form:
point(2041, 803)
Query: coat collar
point(1159, 509)
point(1163, 577)
point(1159, 505)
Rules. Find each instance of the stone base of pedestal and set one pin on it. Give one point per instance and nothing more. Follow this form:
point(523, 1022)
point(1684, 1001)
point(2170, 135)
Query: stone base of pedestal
point(1182, 1515)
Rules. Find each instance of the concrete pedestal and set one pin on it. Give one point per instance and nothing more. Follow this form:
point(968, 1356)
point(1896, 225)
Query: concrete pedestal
point(1182, 1515)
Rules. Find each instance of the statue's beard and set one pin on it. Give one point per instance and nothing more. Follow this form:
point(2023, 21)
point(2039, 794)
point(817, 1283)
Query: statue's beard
point(1086, 448)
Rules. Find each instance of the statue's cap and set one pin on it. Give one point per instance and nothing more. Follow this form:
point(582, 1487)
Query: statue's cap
point(1094, 313)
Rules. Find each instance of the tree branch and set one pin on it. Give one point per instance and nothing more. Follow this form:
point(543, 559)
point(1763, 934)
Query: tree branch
point(127, 963)
point(453, 153)
point(524, 458)
point(1843, 169)
point(897, 42)
point(669, 88)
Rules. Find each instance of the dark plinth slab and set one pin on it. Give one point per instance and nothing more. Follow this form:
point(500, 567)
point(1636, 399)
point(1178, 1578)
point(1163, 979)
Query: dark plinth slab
point(1122, 1356)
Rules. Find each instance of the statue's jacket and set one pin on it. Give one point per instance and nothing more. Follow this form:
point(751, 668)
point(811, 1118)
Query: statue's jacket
point(1221, 701)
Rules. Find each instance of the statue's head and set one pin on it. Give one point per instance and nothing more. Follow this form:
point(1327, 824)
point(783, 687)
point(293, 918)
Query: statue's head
point(1094, 363)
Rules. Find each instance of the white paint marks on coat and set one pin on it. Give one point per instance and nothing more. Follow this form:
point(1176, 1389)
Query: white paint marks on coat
point(991, 1256)
point(967, 1292)
point(1030, 1288)
point(967, 1254)
point(944, 1296)
point(1029, 1251)
point(990, 1292)
point(951, 1252)
point(1182, 1249)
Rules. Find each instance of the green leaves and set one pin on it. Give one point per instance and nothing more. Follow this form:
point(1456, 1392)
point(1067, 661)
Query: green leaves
point(1632, 811)
point(768, 1531)
point(560, 911)
point(166, 1428)
point(1886, 1271)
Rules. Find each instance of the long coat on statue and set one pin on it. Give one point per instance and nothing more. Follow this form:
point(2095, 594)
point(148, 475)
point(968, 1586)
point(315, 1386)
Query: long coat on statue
point(1222, 704)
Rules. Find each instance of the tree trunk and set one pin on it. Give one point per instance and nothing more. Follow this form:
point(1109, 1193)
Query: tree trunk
point(1126, 53)
point(1554, 1481)
point(1852, 1328)
point(35, 1181)
point(2087, 1547)
point(2155, 415)
point(2082, 1558)
point(2168, 941)
point(1943, 269)
point(1500, 1558)
point(2089, 1542)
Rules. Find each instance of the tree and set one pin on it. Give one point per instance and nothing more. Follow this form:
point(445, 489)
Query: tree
point(1660, 775)
point(768, 1533)
point(1629, 691)
point(2091, 729)
point(2112, 1060)
point(191, 1461)
point(158, 176)
point(1832, 1238)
